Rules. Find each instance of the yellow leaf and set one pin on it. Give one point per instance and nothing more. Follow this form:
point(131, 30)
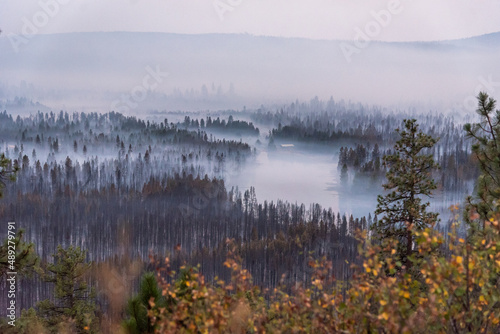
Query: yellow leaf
point(461, 240)
point(375, 272)
point(384, 316)
point(383, 302)
point(459, 259)
point(188, 283)
point(393, 252)
point(406, 294)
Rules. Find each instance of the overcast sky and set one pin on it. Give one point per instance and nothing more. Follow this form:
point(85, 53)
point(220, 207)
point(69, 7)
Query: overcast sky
point(319, 19)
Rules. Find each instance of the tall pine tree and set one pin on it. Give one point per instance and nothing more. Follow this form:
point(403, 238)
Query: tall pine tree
point(486, 148)
point(138, 321)
point(74, 300)
point(409, 178)
point(25, 257)
point(7, 172)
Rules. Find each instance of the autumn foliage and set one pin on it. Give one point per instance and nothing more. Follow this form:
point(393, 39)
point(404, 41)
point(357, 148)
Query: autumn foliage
point(455, 291)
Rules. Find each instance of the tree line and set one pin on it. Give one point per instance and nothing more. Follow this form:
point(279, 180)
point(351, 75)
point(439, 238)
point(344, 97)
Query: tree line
point(400, 273)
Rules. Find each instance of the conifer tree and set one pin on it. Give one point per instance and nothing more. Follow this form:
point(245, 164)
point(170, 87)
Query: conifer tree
point(7, 172)
point(25, 257)
point(486, 148)
point(409, 178)
point(74, 300)
point(138, 321)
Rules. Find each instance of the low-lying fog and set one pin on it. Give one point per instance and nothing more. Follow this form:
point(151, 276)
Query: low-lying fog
point(298, 173)
point(136, 73)
point(304, 175)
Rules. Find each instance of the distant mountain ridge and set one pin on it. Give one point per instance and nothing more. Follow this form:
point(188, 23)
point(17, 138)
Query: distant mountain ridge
point(99, 66)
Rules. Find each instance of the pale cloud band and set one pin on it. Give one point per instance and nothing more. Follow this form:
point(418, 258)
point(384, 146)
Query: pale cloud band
point(317, 19)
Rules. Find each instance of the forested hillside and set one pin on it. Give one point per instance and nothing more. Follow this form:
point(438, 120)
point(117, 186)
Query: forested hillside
point(114, 197)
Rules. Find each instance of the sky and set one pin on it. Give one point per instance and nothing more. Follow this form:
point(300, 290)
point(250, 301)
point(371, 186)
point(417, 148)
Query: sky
point(397, 20)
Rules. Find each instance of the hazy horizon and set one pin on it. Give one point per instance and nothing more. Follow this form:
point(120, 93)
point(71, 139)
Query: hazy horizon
point(100, 71)
point(424, 20)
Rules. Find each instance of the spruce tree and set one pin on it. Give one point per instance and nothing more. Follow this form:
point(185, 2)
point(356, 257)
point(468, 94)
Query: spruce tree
point(409, 178)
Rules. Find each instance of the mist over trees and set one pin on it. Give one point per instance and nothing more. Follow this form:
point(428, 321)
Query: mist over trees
point(110, 181)
point(125, 189)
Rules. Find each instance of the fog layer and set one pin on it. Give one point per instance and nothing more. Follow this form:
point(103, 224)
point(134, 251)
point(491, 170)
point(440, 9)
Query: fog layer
point(95, 70)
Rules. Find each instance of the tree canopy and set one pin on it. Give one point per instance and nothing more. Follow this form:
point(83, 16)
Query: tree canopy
point(486, 147)
point(409, 177)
